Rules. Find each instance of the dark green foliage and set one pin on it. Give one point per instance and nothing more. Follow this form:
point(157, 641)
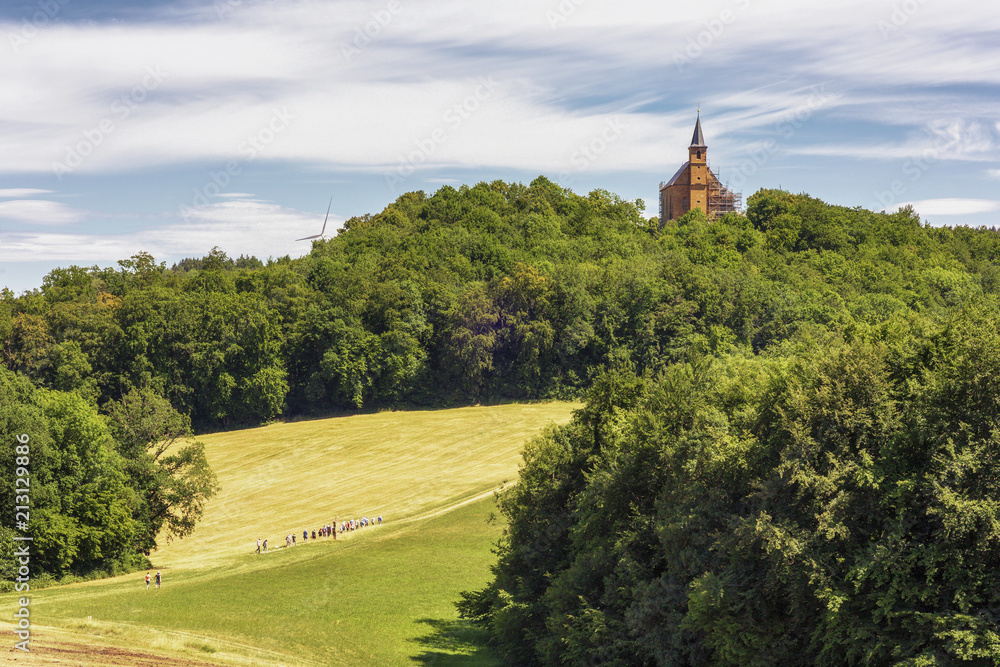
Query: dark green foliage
point(215, 354)
point(497, 291)
point(81, 515)
point(505, 291)
point(100, 489)
point(169, 474)
point(835, 506)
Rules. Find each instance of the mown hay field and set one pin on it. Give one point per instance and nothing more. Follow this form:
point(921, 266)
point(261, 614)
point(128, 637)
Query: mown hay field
point(381, 595)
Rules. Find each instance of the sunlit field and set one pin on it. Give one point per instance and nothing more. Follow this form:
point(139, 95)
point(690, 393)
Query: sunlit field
point(381, 595)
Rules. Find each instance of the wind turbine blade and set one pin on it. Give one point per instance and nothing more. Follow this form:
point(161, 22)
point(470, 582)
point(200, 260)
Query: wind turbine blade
point(322, 234)
point(327, 216)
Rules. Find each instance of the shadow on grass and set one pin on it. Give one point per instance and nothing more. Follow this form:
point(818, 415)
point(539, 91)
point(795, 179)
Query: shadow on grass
point(453, 644)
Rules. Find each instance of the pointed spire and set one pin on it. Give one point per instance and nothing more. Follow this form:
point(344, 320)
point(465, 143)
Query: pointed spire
point(698, 139)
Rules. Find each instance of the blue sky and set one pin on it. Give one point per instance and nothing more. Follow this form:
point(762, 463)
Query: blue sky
point(178, 126)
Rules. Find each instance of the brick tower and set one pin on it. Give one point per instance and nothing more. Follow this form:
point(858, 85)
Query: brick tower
point(695, 186)
point(698, 160)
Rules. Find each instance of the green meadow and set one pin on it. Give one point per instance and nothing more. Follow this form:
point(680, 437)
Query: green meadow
point(381, 595)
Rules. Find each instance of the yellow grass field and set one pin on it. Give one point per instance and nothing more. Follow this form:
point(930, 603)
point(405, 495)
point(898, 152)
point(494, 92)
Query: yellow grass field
point(377, 596)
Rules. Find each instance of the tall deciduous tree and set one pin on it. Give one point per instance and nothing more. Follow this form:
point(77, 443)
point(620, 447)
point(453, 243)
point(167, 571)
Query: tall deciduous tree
point(169, 474)
point(80, 510)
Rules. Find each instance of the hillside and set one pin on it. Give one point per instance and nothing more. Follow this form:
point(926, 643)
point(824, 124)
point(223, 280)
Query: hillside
point(496, 291)
point(835, 505)
point(713, 346)
point(381, 595)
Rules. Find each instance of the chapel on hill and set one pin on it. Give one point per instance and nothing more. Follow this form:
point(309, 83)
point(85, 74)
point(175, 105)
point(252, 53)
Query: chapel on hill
point(695, 185)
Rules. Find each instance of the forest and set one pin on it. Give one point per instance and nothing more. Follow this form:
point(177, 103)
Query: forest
point(788, 452)
point(494, 292)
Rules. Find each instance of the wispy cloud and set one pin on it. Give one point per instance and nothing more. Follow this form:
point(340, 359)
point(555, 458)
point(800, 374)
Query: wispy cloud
point(236, 68)
point(39, 212)
point(947, 140)
point(250, 227)
point(242, 226)
point(22, 192)
point(949, 207)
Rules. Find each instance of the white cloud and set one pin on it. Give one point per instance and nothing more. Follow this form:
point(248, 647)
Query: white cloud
point(993, 173)
point(22, 192)
point(935, 141)
point(223, 86)
point(38, 212)
point(251, 227)
point(84, 248)
point(239, 227)
point(947, 207)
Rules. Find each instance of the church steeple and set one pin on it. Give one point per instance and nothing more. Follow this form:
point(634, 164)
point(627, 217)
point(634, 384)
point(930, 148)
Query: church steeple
point(694, 186)
point(698, 150)
point(698, 173)
point(698, 140)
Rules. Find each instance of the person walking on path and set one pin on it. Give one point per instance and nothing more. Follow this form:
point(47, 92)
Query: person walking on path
point(258, 545)
point(147, 581)
point(157, 578)
point(265, 546)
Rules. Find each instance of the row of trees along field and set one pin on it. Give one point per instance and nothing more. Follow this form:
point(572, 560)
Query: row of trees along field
point(104, 483)
point(494, 292)
point(834, 504)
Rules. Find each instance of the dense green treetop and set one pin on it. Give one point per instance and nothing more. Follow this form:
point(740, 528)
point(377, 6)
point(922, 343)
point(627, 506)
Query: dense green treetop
point(835, 506)
point(494, 291)
point(505, 291)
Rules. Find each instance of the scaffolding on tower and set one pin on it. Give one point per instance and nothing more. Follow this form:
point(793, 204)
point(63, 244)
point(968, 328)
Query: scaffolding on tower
point(721, 200)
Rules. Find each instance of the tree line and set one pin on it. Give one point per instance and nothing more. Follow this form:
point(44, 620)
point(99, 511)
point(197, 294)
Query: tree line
point(831, 505)
point(498, 291)
point(104, 484)
point(492, 292)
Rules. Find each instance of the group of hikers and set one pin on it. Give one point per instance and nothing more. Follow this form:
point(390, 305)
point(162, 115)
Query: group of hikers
point(330, 529)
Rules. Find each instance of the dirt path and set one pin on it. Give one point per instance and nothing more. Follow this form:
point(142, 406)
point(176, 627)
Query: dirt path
point(52, 651)
point(57, 646)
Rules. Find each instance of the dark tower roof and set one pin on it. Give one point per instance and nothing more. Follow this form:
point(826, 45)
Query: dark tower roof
point(698, 139)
